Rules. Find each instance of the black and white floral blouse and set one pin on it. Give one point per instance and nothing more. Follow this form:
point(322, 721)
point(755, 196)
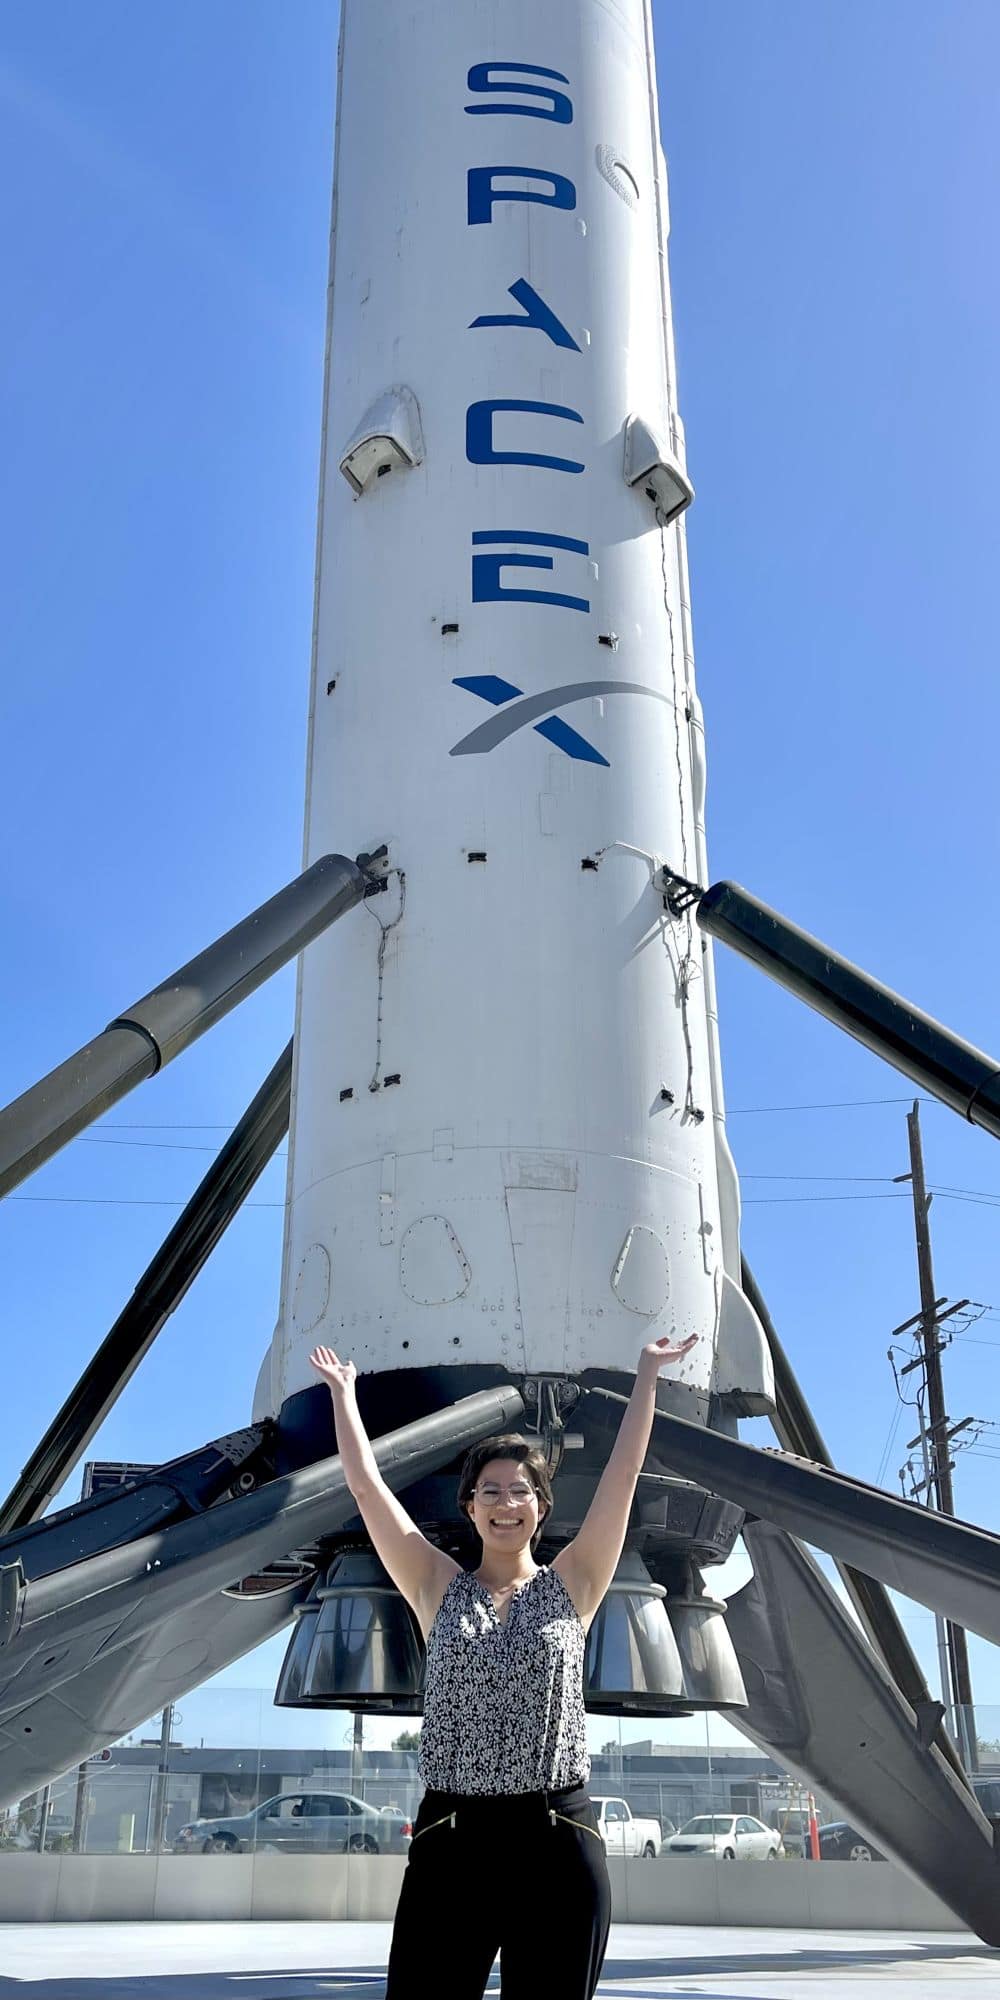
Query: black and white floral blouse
point(503, 1702)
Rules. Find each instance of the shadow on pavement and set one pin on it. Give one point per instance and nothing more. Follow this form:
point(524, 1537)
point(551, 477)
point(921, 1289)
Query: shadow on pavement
point(917, 1957)
point(622, 1978)
point(328, 1982)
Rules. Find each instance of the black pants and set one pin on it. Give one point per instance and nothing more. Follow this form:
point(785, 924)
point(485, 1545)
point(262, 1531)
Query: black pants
point(523, 1874)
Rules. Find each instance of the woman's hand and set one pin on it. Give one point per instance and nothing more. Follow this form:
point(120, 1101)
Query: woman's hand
point(339, 1376)
point(658, 1351)
point(587, 1563)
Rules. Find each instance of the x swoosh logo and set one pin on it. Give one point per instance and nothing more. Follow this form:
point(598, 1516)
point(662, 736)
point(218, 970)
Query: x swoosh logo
point(519, 709)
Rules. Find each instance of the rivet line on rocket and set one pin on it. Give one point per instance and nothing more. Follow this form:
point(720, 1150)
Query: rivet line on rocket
point(683, 963)
point(661, 522)
point(376, 1076)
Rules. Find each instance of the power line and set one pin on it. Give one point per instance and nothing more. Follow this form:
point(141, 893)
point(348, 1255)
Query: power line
point(776, 1200)
point(740, 1111)
point(836, 1104)
point(122, 1201)
point(772, 1200)
point(751, 1201)
point(176, 1146)
point(943, 1188)
point(974, 1201)
point(151, 1145)
point(817, 1177)
point(887, 1449)
point(934, 1187)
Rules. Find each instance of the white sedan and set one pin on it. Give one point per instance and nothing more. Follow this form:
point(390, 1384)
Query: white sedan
point(727, 1836)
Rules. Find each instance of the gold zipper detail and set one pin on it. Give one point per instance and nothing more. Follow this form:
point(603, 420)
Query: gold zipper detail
point(448, 1820)
point(579, 1825)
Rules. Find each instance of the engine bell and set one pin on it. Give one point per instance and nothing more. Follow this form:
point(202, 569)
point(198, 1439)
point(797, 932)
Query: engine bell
point(633, 1665)
point(355, 1645)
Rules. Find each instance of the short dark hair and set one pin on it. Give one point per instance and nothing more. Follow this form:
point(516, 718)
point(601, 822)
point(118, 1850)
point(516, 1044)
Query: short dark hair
point(530, 1457)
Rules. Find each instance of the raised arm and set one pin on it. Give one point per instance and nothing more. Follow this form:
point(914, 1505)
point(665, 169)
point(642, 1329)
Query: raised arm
point(419, 1571)
point(588, 1563)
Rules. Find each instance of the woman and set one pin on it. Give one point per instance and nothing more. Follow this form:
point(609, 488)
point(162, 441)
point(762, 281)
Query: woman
point(506, 1854)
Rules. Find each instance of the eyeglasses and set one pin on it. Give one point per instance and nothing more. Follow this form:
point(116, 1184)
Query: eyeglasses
point(520, 1494)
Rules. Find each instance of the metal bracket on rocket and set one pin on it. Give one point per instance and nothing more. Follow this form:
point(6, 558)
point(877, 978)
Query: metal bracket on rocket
point(679, 895)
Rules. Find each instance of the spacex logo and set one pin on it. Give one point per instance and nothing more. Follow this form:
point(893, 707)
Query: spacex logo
point(507, 430)
point(525, 708)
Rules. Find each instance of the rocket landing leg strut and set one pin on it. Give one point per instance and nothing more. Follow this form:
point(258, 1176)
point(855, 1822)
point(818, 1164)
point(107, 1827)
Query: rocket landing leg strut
point(821, 1702)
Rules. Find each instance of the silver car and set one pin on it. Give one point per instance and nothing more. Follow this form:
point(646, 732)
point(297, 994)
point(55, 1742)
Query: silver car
point(300, 1823)
point(727, 1836)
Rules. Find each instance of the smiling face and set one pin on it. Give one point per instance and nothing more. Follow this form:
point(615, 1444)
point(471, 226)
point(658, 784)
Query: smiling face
point(505, 1509)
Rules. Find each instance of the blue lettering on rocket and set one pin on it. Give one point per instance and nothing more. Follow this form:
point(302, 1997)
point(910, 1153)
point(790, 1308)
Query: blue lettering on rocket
point(483, 193)
point(481, 78)
point(479, 446)
point(487, 587)
point(493, 552)
point(536, 315)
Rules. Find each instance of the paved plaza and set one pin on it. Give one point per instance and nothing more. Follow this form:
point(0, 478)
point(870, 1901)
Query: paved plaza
point(310, 1961)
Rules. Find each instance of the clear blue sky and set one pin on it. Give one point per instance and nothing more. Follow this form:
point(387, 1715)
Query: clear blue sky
point(165, 177)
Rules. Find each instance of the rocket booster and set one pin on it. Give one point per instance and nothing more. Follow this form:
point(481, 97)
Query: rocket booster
point(508, 1167)
point(507, 1149)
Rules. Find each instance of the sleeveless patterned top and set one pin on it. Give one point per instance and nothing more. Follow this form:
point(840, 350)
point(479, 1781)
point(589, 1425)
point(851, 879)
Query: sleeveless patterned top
point(503, 1703)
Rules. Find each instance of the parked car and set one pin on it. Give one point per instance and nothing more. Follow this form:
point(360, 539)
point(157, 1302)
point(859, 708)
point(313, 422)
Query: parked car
point(840, 1841)
point(300, 1823)
point(727, 1836)
point(622, 1833)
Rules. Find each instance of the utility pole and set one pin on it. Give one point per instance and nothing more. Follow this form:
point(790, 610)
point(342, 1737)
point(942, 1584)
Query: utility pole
point(357, 1753)
point(940, 1627)
point(80, 1810)
point(159, 1815)
point(936, 1435)
point(43, 1817)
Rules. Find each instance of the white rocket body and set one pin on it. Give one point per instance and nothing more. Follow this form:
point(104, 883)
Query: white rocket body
point(507, 1146)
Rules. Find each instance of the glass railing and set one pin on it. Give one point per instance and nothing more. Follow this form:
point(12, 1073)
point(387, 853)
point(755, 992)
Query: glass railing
point(225, 1772)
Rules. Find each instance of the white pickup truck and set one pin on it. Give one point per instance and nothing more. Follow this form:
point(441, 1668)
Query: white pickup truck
point(623, 1834)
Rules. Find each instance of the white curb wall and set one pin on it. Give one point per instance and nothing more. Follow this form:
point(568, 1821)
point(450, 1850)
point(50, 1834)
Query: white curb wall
point(123, 1888)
